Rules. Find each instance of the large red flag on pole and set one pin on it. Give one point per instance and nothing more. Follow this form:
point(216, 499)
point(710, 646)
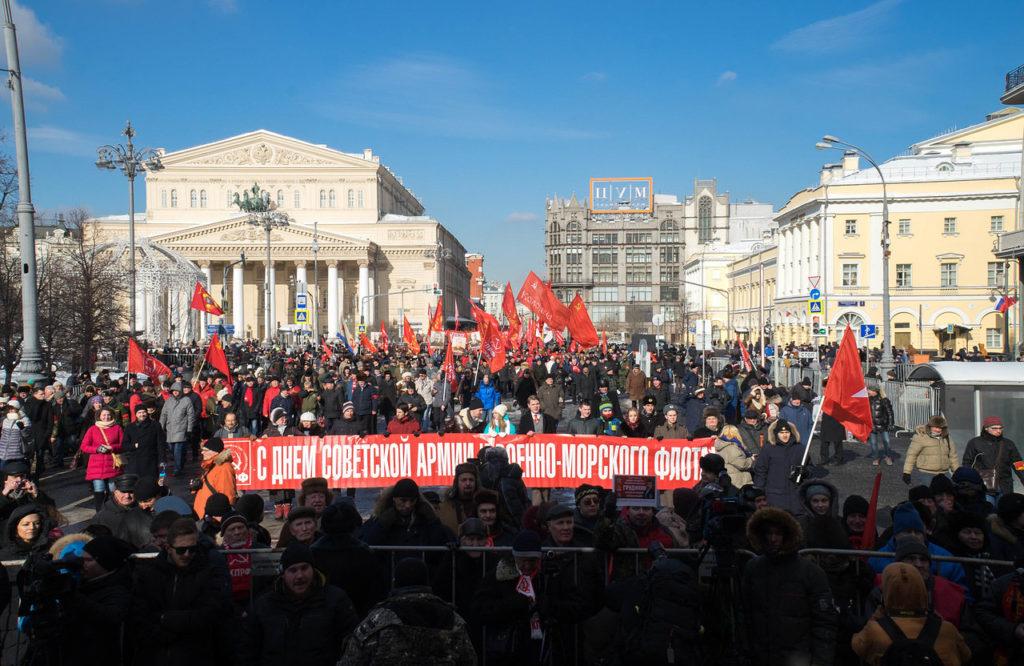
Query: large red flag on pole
point(541, 300)
point(846, 396)
point(367, 344)
point(508, 306)
point(604, 342)
point(409, 337)
point(385, 341)
point(747, 362)
point(202, 301)
point(140, 361)
point(448, 366)
point(580, 325)
point(437, 320)
point(217, 359)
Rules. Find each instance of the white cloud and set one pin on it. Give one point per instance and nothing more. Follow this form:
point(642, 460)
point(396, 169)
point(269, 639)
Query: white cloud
point(39, 95)
point(62, 141)
point(434, 95)
point(522, 216)
point(726, 77)
point(838, 33)
point(38, 46)
point(595, 77)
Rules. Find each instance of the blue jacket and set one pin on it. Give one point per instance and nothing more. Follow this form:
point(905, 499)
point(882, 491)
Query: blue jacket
point(801, 419)
point(488, 395)
point(364, 399)
point(952, 571)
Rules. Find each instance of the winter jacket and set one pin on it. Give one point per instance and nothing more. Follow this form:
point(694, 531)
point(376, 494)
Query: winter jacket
point(128, 523)
point(1007, 541)
point(790, 615)
point(178, 418)
point(177, 614)
point(932, 455)
point(407, 426)
point(15, 437)
point(610, 536)
point(951, 571)
point(983, 452)
point(754, 437)
point(218, 477)
point(142, 444)
point(91, 632)
point(489, 395)
point(694, 417)
point(671, 431)
point(772, 471)
point(505, 479)
point(551, 399)
point(349, 564)
point(414, 404)
point(101, 465)
point(832, 430)
point(738, 460)
point(331, 402)
point(636, 384)
point(387, 528)
point(411, 626)
point(354, 427)
point(507, 428)
point(284, 630)
point(365, 399)
point(992, 612)
point(588, 426)
point(800, 418)
point(882, 417)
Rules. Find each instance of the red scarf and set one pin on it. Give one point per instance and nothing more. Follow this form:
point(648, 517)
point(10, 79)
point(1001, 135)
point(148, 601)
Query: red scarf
point(240, 568)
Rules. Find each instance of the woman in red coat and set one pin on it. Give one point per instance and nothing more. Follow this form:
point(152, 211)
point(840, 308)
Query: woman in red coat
point(101, 442)
point(403, 423)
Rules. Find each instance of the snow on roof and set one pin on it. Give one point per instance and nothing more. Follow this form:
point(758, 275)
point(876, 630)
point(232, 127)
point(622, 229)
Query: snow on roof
point(969, 374)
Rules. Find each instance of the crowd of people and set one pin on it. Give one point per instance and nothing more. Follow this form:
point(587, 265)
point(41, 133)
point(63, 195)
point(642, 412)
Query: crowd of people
point(724, 572)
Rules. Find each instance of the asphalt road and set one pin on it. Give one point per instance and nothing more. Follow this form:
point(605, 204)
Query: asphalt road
point(73, 494)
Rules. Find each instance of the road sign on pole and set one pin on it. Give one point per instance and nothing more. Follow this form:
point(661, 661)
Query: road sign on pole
point(868, 331)
point(815, 294)
point(814, 281)
point(814, 306)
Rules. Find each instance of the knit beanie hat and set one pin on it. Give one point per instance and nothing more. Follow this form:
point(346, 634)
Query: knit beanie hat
point(909, 547)
point(855, 504)
point(406, 488)
point(109, 552)
point(472, 527)
point(918, 493)
point(215, 444)
point(968, 475)
point(296, 553)
point(341, 517)
point(586, 489)
point(942, 484)
point(712, 462)
point(251, 506)
point(816, 489)
point(218, 505)
point(231, 520)
point(905, 517)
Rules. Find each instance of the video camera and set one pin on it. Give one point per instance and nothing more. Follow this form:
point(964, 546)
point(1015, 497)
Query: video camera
point(44, 584)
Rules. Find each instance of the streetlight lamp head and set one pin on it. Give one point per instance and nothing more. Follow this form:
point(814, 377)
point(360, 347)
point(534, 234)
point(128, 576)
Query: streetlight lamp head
point(822, 145)
point(828, 138)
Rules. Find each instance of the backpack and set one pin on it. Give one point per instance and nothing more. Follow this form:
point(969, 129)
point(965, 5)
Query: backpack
point(905, 651)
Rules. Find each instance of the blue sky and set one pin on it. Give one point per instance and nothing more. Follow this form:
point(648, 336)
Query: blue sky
point(486, 108)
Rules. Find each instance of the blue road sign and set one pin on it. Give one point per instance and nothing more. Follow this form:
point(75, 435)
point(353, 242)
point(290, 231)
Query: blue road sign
point(815, 294)
point(226, 329)
point(868, 331)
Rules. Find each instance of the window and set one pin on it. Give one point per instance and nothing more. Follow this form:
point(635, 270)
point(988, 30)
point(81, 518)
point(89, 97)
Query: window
point(669, 293)
point(635, 237)
point(638, 255)
point(360, 197)
point(574, 256)
point(705, 220)
point(638, 274)
point(193, 199)
point(947, 275)
point(851, 274)
point(949, 225)
point(555, 230)
point(332, 199)
point(606, 313)
point(669, 274)
point(638, 293)
point(554, 259)
point(851, 227)
point(668, 255)
point(903, 275)
point(574, 274)
point(669, 232)
point(604, 239)
point(995, 223)
point(163, 198)
point(904, 229)
point(610, 256)
point(174, 198)
point(996, 274)
point(555, 274)
point(202, 198)
point(993, 338)
point(605, 294)
point(296, 199)
point(604, 275)
point(323, 198)
point(574, 234)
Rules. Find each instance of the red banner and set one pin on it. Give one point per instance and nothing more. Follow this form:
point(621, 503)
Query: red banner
point(540, 300)
point(548, 461)
point(140, 361)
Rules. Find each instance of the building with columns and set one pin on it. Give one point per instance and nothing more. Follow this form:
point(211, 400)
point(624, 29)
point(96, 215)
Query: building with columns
point(752, 291)
point(357, 242)
point(951, 197)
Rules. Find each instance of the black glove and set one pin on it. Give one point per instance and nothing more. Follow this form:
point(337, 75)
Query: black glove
point(906, 479)
point(440, 432)
point(660, 437)
point(387, 433)
point(611, 509)
point(417, 433)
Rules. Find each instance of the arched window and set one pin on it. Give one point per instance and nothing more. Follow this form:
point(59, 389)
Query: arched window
point(202, 198)
point(574, 233)
point(705, 220)
point(280, 197)
point(163, 198)
point(193, 199)
point(323, 198)
point(174, 198)
point(333, 199)
point(669, 232)
point(297, 199)
point(351, 199)
point(361, 204)
point(556, 237)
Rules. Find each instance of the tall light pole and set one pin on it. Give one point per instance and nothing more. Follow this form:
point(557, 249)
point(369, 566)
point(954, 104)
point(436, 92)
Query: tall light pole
point(130, 161)
point(30, 365)
point(316, 283)
point(828, 142)
point(263, 213)
point(441, 253)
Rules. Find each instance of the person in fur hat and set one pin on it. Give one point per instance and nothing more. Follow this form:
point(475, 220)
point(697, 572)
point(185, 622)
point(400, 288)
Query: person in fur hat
point(457, 503)
point(402, 517)
point(931, 452)
point(776, 464)
point(315, 494)
point(789, 605)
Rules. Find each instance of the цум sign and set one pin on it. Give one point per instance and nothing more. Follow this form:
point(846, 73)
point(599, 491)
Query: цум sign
point(621, 195)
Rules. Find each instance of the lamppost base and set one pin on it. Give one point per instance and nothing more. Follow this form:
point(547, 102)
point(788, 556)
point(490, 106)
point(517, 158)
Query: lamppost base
point(28, 371)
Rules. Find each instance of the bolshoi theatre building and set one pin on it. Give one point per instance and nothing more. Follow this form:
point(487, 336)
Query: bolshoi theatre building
point(377, 255)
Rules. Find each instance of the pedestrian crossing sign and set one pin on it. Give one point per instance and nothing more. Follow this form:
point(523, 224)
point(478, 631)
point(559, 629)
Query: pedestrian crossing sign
point(301, 316)
point(814, 306)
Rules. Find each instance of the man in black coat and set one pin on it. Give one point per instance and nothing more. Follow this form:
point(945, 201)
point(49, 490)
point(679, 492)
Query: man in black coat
point(302, 620)
point(346, 561)
point(66, 412)
point(331, 399)
point(990, 450)
point(402, 517)
point(790, 614)
point(122, 517)
point(773, 470)
point(143, 442)
point(535, 421)
point(37, 409)
point(179, 603)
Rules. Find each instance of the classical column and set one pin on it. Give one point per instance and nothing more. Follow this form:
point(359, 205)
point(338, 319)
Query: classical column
point(341, 299)
point(371, 305)
point(140, 310)
point(271, 319)
point(332, 299)
point(204, 317)
point(364, 289)
point(238, 299)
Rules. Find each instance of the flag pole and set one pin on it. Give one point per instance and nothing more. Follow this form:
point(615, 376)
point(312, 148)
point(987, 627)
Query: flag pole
point(807, 447)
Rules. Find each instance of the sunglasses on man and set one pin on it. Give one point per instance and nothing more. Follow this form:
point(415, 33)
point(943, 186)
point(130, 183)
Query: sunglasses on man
point(182, 550)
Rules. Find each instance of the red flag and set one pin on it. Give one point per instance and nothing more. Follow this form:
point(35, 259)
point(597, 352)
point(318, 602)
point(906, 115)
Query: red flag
point(559, 339)
point(481, 319)
point(867, 539)
point(747, 363)
point(604, 342)
point(580, 326)
point(448, 366)
point(457, 324)
point(384, 340)
point(217, 359)
point(367, 344)
point(140, 361)
point(328, 352)
point(409, 337)
point(437, 321)
point(538, 297)
point(846, 396)
point(202, 301)
point(508, 306)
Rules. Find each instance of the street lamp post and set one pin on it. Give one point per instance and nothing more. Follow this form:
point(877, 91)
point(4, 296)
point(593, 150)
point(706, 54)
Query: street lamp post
point(829, 142)
point(224, 288)
point(441, 253)
point(130, 160)
point(263, 213)
point(316, 283)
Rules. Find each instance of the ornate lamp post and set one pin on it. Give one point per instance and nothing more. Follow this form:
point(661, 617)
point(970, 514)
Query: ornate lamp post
point(130, 160)
point(263, 213)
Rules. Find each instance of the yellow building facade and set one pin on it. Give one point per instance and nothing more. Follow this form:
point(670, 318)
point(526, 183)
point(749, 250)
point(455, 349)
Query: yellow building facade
point(752, 281)
point(950, 199)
